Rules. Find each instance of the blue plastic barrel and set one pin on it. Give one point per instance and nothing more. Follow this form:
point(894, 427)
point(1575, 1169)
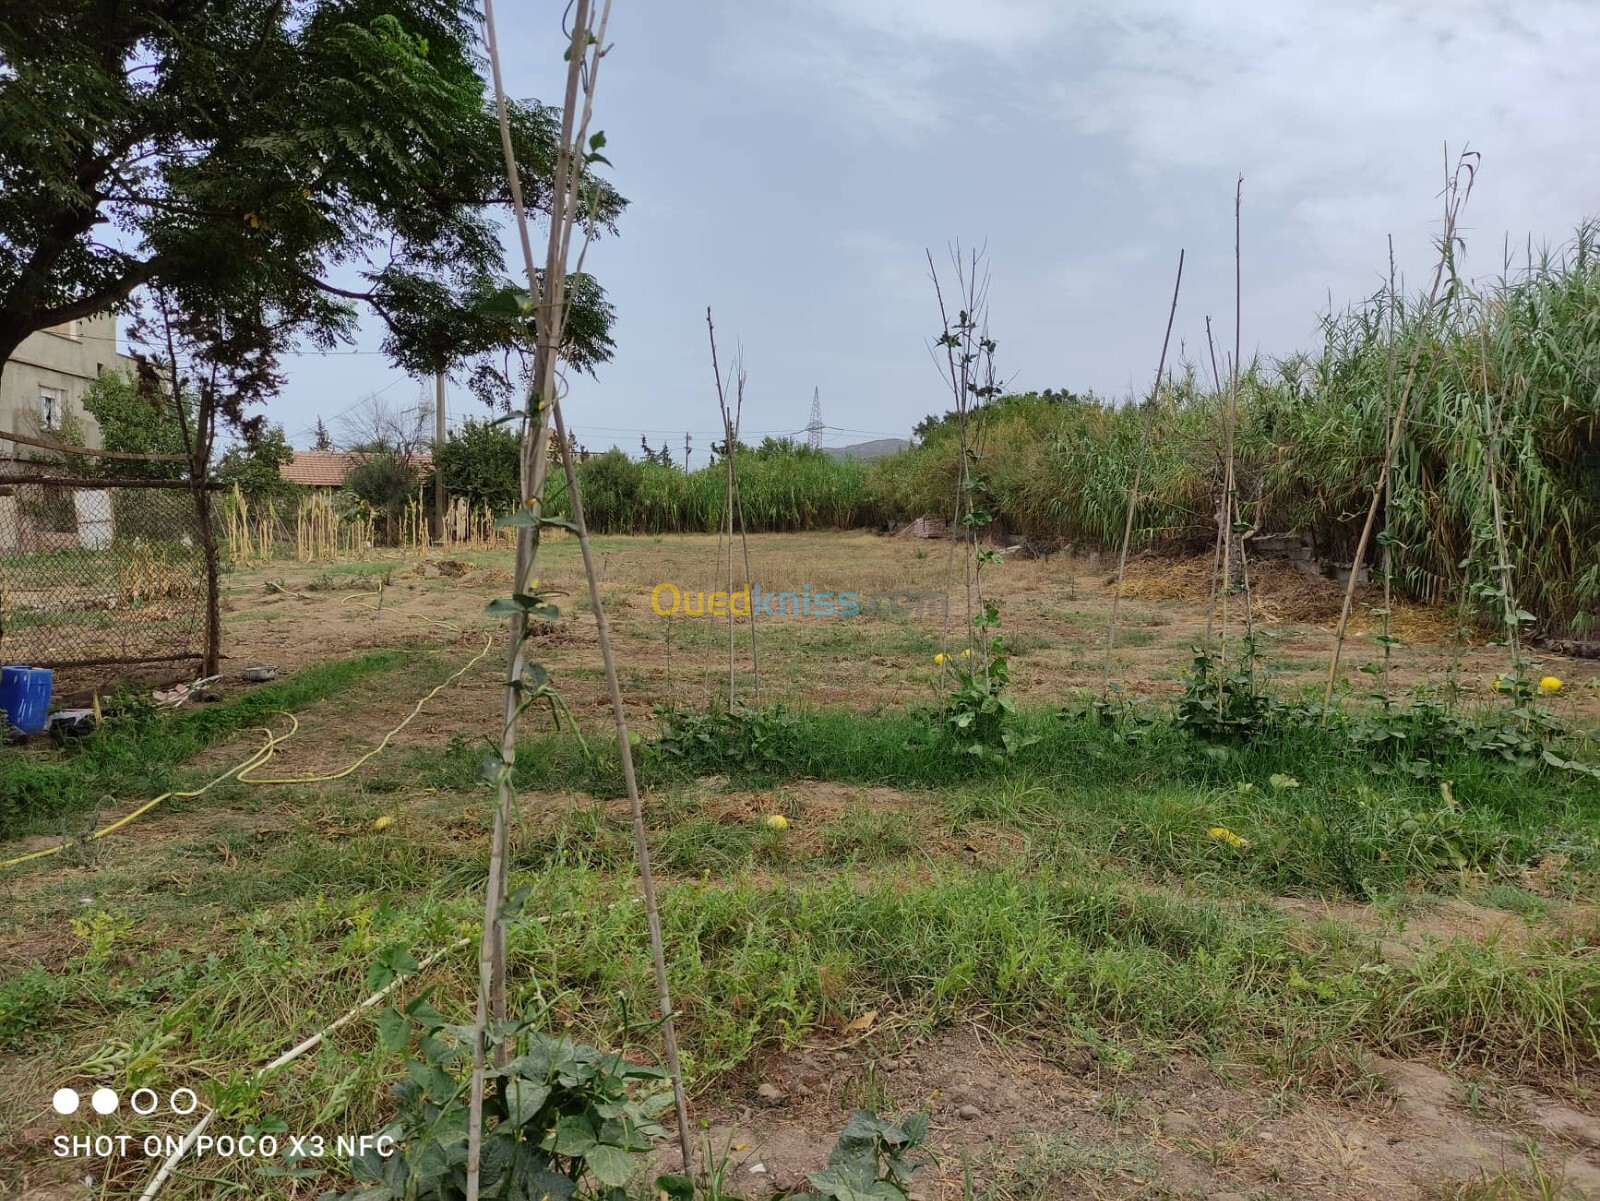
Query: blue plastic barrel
point(25, 697)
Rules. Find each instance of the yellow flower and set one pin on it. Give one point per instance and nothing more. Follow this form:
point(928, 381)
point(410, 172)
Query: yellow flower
point(383, 823)
point(1223, 834)
point(966, 652)
point(939, 658)
point(777, 821)
point(1549, 684)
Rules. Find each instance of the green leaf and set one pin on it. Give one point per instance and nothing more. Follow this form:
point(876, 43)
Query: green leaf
point(524, 1100)
point(544, 1185)
point(425, 1015)
point(513, 905)
point(669, 1187)
point(393, 961)
point(611, 1166)
point(393, 1029)
point(438, 1085)
point(399, 960)
point(523, 602)
point(573, 1135)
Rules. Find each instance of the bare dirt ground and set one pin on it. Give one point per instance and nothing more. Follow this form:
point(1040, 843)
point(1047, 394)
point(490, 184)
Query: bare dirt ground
point(1026, 1120)
point(1054, 616)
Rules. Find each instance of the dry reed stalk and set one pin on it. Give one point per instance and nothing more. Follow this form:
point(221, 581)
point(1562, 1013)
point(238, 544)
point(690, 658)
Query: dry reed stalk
point(1388, 493)
point(1138, 469)
point(647, 886)
point(732, 500)
point(1230, 505)
point(1455, 196)
point(728, 445)
point(1491, 433)
point(1222, 514)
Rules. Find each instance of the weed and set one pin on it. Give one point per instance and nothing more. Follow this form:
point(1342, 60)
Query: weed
point(873, 1157)
point(758, 741)
point(868, 836)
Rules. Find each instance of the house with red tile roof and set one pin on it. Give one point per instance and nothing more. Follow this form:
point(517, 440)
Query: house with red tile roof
point(328, 469)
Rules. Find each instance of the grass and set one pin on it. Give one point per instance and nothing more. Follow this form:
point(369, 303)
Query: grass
point(1341, 830)
point(142, 756)
point(1113, 918)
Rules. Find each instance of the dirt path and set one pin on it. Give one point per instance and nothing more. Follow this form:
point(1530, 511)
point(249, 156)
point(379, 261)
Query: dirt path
point(1035, 1121)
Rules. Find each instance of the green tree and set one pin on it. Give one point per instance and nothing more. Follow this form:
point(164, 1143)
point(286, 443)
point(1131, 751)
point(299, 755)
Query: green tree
point(785, 448)
point(610, 485)
point(387, 479)
point(271, 168)
point(254, 467)
point(322, 439)
point(482, 461)
point(136, 422)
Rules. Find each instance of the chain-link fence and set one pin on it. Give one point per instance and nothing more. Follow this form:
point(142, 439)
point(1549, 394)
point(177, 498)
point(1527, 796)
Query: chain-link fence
point(103, 581)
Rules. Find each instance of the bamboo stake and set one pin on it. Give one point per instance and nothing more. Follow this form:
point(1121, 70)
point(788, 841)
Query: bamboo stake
point(967, 347)
point(1138, 468)
point(288, 1057)
point(1455, 195)
point(749, 577)
point(959, 396)
point(533, 467)
point(727, 504)
point(585, 50)
point(647, 886)
point(1388, 563)
point(733, 499)
point(1230, 505)
point(1216, 553)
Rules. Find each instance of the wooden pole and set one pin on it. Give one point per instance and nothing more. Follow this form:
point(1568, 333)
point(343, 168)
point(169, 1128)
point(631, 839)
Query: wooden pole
point(438, 446)
point(585, 49)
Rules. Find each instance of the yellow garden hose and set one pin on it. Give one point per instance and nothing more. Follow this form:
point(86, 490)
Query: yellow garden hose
point(262, 759)
point(259, 758)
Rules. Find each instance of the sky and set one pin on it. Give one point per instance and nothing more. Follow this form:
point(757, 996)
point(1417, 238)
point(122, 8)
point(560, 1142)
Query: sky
point(790, 165)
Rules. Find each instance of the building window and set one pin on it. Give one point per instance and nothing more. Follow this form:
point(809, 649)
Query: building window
point(52, 407)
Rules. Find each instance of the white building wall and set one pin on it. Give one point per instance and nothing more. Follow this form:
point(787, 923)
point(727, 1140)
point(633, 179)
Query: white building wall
point(65, 360)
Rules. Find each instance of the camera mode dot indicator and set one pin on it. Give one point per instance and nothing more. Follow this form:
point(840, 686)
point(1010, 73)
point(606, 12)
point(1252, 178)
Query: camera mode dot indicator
point(104, 1101)
point(65, 1101)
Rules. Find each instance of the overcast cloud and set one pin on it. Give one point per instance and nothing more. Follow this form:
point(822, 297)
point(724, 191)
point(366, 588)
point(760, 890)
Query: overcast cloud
point(788, 164)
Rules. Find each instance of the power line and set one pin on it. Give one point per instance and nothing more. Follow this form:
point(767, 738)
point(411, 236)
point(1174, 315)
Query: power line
point(293, 354)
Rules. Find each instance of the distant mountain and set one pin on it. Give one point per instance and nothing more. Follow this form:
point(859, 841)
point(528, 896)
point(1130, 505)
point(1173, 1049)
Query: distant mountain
point(878, 448)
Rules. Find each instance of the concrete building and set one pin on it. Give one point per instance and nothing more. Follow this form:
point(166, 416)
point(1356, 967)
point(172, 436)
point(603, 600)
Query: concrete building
point(42, 385)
